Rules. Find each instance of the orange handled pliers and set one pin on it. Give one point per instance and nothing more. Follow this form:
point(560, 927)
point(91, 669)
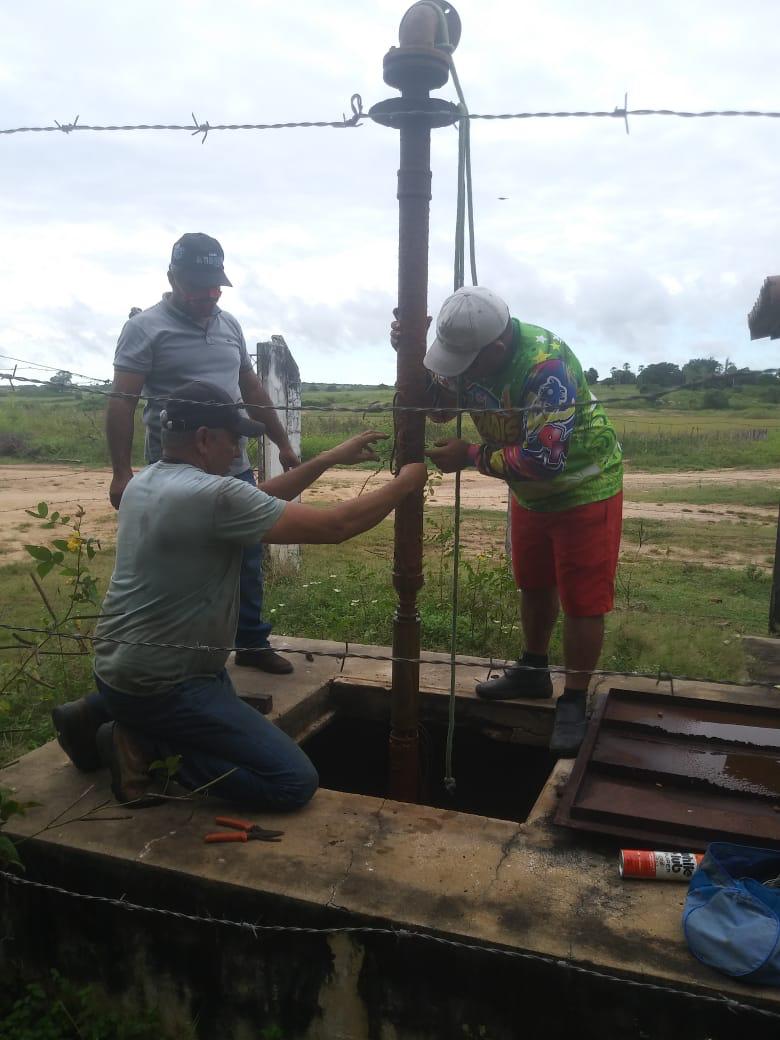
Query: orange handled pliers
point(242, 831)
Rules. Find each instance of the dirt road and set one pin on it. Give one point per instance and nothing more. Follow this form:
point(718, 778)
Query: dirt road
point(22, 487)
point(480, 492)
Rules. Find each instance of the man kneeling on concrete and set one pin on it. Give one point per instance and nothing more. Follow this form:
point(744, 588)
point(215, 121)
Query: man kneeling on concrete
point(170, 611)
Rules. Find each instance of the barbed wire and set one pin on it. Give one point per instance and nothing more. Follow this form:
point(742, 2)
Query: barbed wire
point(257, 930)
point(350, 654)
point(378, 408)
point(623, 112)
point(52, 368)
point(202, 128)
point(197, 126)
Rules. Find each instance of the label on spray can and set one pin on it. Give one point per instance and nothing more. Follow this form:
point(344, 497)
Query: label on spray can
point(658, 866)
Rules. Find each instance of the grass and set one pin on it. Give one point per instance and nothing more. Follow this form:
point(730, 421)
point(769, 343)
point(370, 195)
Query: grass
point(740, 493)
point(756, 542)
point(669, 616)
point(45, 427)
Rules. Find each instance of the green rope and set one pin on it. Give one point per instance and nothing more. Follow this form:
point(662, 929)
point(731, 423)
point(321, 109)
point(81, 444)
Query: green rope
point(449, 776)
point(464, 215)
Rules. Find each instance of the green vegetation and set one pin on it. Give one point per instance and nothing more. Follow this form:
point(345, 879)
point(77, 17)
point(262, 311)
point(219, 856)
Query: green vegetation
point(741, 493)
point(45, 427)
point(679, 432)
point(57, 1009)
point(677, 617)
point(714, 542)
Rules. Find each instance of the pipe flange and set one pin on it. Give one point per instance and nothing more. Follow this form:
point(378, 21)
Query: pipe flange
point(398, 112)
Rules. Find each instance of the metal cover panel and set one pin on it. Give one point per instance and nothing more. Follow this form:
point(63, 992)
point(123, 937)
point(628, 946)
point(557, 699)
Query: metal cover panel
point(677, 772)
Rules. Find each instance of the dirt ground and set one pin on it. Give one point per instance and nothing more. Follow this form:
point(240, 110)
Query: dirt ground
point(22, 487)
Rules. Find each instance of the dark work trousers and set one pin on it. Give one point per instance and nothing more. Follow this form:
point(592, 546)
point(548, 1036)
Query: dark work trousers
point(252, 631)
point(206, 723)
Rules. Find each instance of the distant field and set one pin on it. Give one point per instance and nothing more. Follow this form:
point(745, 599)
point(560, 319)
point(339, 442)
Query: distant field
point(661, 437)
point(738, 494)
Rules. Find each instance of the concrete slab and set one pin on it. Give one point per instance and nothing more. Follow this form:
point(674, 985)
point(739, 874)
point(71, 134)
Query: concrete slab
point(531, 888)
point(527, 886)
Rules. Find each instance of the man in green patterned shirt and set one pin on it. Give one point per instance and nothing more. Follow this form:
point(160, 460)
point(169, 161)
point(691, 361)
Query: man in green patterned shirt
point(551, 441)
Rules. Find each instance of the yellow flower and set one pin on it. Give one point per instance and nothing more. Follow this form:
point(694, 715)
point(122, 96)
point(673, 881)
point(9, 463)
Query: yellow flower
point(74, 541)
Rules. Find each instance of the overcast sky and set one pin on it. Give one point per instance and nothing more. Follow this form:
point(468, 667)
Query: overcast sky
point(636, 248)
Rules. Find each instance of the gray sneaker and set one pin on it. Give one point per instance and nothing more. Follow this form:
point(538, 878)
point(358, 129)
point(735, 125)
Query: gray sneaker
point(569, 727)
point(519, 681)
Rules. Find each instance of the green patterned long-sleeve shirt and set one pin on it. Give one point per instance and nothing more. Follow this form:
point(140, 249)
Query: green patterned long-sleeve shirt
point(562, 450)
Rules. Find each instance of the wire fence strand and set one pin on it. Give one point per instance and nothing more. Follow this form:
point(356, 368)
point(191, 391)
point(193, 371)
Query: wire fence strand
point(379, 408)
point(257, 930)
point(202, 128)
point(347, 653)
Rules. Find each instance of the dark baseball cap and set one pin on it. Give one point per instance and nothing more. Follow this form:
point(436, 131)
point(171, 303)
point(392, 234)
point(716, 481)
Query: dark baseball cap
point(199, 259)
point(197, 404)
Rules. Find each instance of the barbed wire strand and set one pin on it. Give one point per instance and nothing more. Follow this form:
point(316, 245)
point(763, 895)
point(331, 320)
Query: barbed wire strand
point(197, 126)
point(376, 408)
point(657, 676)
point(51, 368)
point(202, 128)
point(256, 930)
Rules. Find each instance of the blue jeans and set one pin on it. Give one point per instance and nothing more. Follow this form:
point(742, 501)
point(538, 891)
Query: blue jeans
point(252, 631)
point(206, 723)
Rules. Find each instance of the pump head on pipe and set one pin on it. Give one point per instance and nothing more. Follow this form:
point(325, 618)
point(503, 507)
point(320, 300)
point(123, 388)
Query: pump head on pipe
point(430, 23)
point(428, 34)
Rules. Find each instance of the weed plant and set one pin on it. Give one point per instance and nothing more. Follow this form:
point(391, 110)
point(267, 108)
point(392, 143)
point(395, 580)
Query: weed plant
point(58, 1009)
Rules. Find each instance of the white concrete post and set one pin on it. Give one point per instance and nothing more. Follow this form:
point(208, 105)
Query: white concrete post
point(281, 378)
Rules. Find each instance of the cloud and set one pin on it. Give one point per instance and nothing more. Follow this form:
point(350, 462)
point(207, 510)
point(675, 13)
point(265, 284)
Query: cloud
point(642, 247)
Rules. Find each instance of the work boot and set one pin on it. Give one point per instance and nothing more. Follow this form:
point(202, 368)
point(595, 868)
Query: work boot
point(518, 681)
point(76, 724)
point(265, 660)
point(131, 782)
point(570, 724)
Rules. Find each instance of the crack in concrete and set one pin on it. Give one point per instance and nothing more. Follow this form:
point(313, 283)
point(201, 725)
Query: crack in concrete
point(331, 904)
point(506, 849)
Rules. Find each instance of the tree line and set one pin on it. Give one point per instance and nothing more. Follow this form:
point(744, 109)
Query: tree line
point(664, 374)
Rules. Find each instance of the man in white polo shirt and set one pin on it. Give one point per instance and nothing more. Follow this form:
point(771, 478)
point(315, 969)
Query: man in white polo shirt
point(183, 337)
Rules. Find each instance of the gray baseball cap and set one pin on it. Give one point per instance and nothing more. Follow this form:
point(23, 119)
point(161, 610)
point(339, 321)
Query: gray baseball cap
point(468, 320)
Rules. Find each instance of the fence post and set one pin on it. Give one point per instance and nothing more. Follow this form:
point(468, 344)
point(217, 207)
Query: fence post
point(279, 374)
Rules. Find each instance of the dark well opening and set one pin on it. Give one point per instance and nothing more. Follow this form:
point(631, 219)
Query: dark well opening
point(493, 777)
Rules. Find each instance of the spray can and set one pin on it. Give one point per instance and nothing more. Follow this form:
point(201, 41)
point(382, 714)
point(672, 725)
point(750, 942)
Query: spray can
point(658, 866)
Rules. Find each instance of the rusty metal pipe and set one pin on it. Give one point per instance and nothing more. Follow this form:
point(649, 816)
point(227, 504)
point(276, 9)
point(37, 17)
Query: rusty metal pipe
point(421, 63)
point(414, 193)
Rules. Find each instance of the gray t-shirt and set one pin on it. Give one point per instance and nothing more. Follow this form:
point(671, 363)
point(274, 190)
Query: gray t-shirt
point(178, 558)
point(169, 349)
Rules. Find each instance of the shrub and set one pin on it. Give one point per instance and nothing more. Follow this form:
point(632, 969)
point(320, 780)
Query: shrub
point(715, 399)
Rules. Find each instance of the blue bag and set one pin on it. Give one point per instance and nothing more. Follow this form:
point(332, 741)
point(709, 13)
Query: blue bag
point(731, 916)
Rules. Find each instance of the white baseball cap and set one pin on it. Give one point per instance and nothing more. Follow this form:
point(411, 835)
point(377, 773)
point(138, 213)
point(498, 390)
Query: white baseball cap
point(468, 320)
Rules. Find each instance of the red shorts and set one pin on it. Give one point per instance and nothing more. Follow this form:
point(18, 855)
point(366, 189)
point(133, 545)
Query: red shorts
point(575, 549)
